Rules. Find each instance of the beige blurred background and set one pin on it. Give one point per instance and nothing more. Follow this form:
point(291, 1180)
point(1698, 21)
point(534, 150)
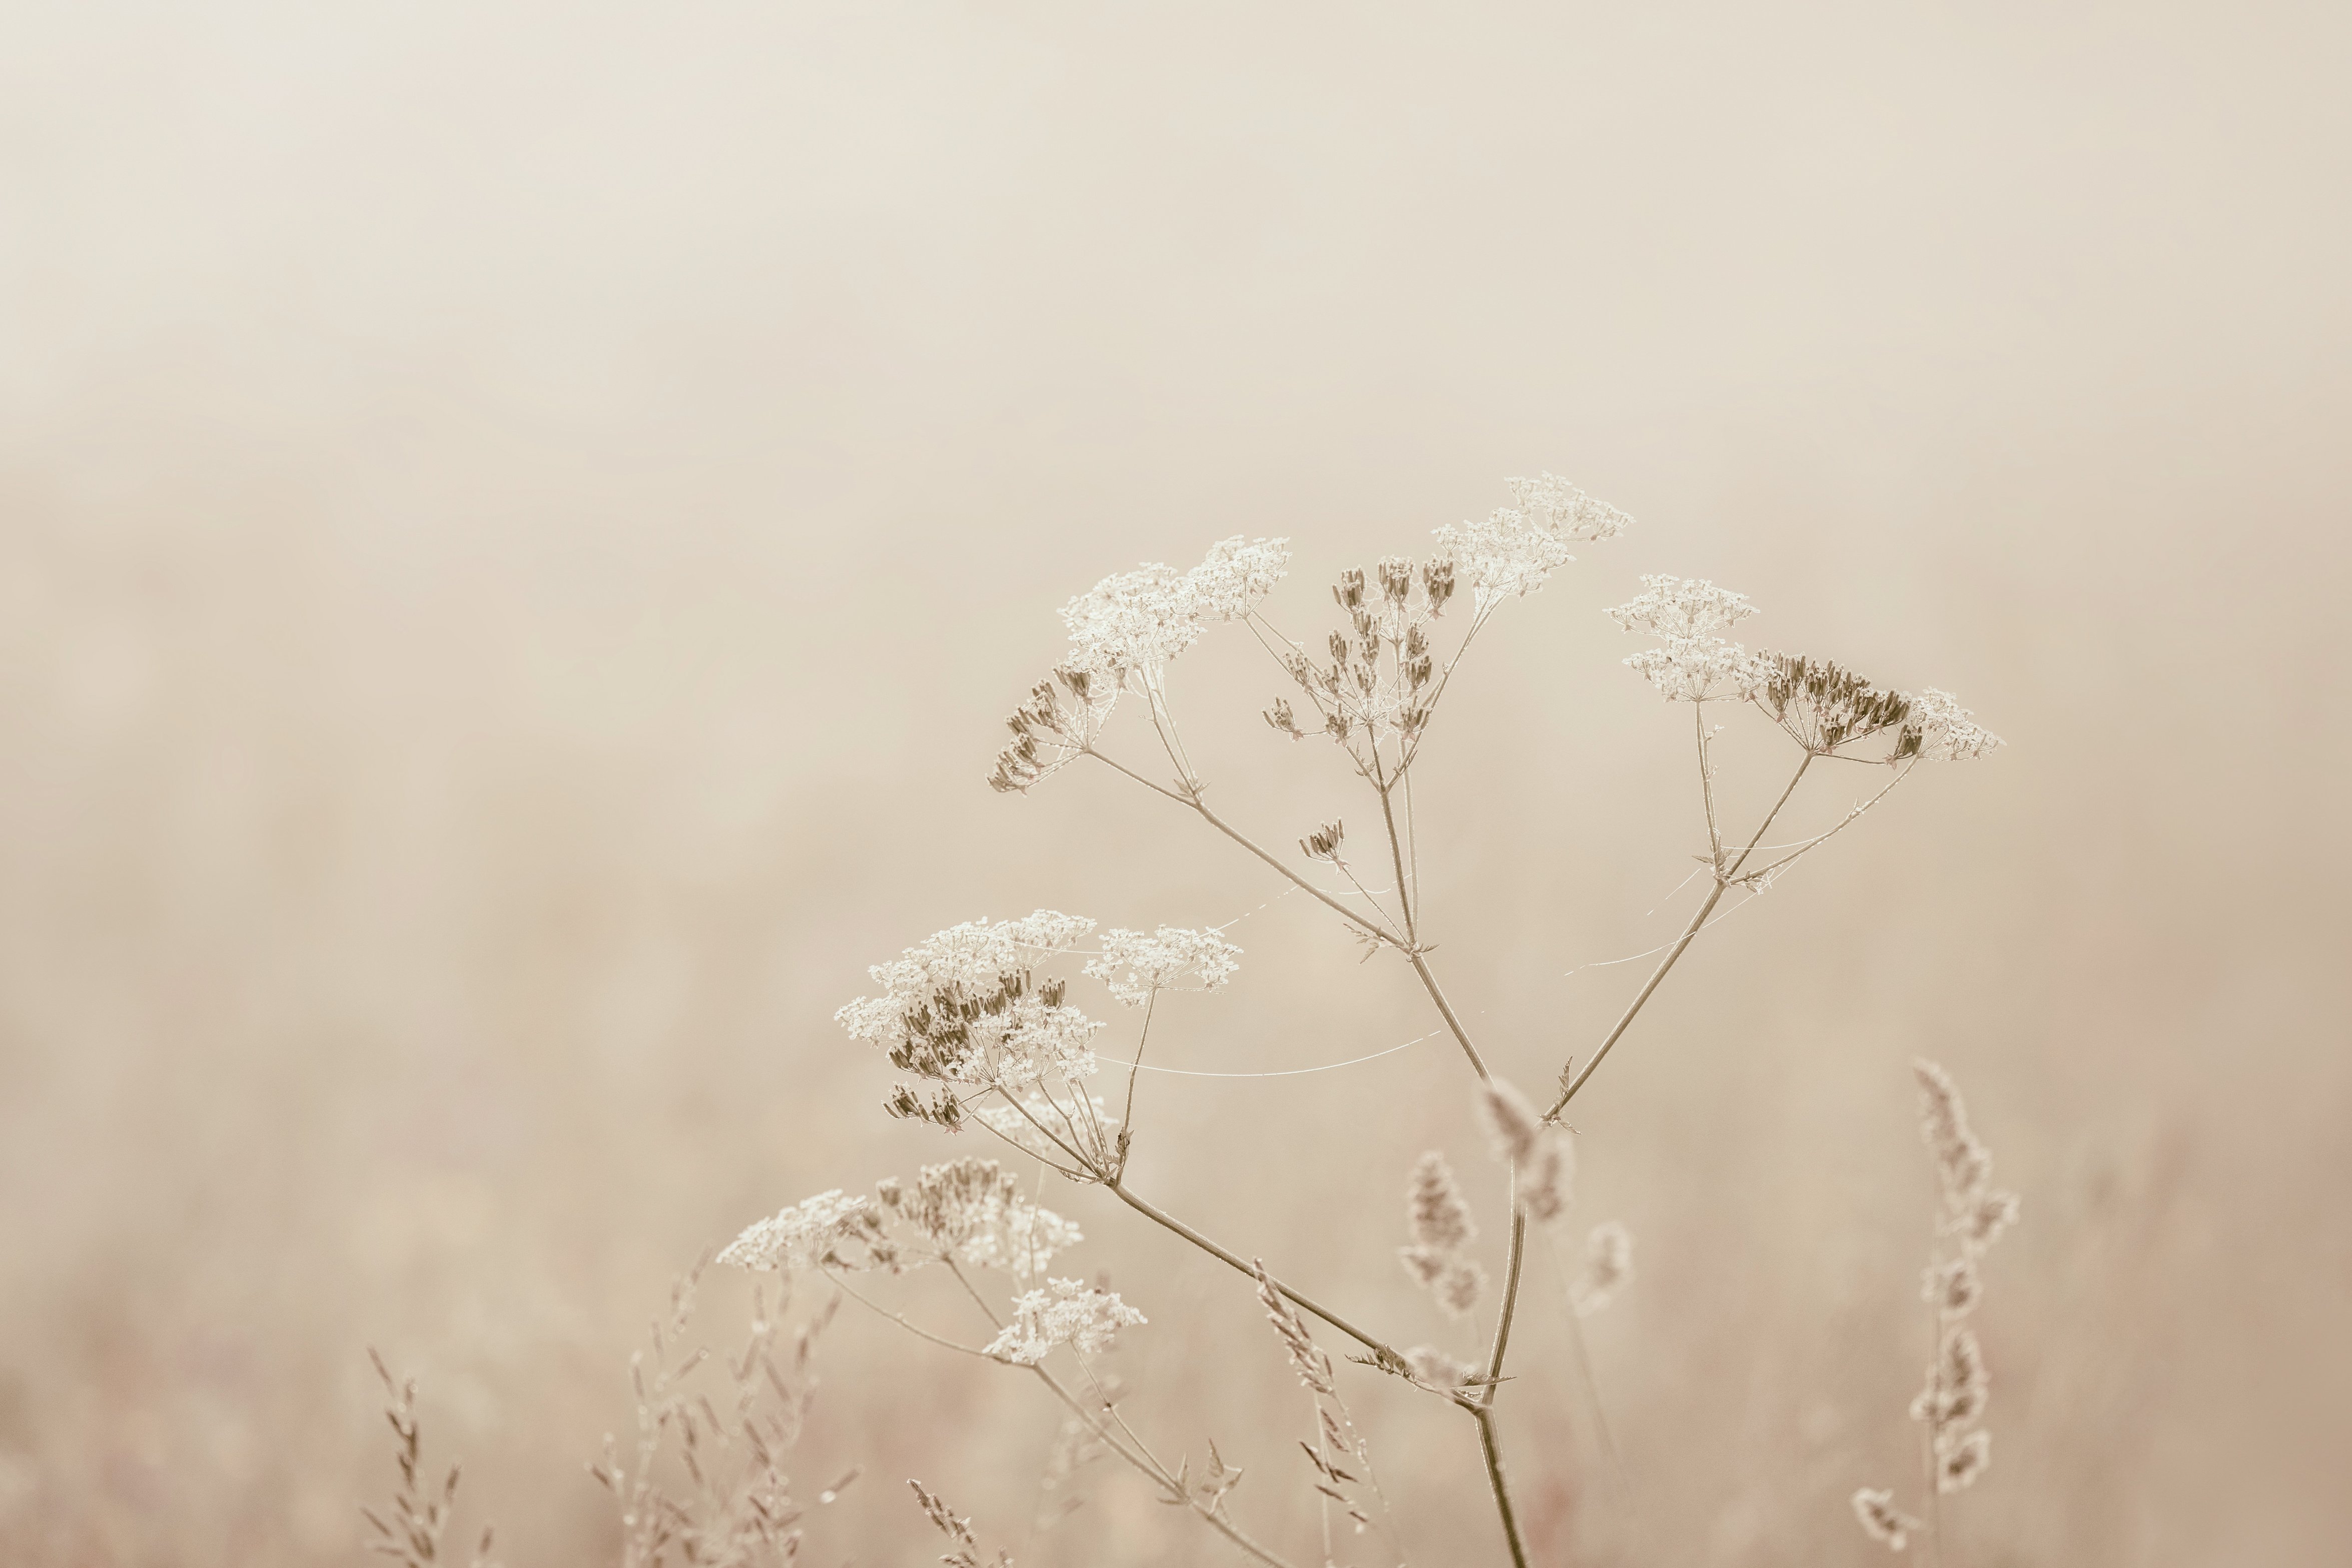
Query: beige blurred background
point(519, 523)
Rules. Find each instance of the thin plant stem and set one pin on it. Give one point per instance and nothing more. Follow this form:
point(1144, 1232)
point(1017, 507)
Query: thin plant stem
point(915, 1329)
point(1446, 1011)
point(1510, 1296)
point(1722, 881)
point(1593, 1392)
point(1493, 1454)
point(1134, 1069)
point(1371, 928)
point(1412, 842)
point(1396, 847)
point(1387, 1354)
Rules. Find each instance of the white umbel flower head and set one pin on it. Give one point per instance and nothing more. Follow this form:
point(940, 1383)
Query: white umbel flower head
point(1940, 731)
point(972, 1211)
point(1065, 1312)
point(1135, 622)
point(800, 1237)
point(1693, 664)
point(1682, 607)
point(1518, 547)
point(961, 1007)
point(1134, 966)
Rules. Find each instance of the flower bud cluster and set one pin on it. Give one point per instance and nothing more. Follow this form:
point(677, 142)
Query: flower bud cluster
point(1053, 730)
point(1822, 705)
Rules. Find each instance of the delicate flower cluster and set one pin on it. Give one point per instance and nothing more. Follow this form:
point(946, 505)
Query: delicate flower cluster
point(961, 1008)
point(1130, 625)
point(967, 1211)
point(1607, 1267)
point(811, 1232)
point(972, 1211)
point(1941, 731)
point(1542, 1156)
point(1135, 965)
point(1694, 664)
point(1518, 546)
point(1971, 1216)
point(1135, 622)
point(1065, 1312)
point(1439, 1222)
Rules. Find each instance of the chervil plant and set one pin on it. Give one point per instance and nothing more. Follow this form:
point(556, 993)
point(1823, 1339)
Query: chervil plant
point(991, 1040)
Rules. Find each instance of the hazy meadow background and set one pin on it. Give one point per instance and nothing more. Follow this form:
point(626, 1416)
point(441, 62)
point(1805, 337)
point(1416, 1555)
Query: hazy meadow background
point(519, 524)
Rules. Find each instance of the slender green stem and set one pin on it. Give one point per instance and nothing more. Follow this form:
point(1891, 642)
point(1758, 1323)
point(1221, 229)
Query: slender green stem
point(1387, 1354)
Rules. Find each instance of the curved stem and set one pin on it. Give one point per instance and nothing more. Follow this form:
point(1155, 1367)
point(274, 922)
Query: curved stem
point(1502, 1490)
point(1510, 1296)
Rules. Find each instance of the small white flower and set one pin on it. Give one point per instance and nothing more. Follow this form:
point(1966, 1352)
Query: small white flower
point(961, 1006)
point(1701, 670)
point(1693, 664)
point(1065, 1312)
point(1565, 511)
point(1134, 966)
point(1518, 547)
point(1682, 607)
point(973, 1210)
point(800, 1237)
point(1946, 731)
point(1135, 622)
